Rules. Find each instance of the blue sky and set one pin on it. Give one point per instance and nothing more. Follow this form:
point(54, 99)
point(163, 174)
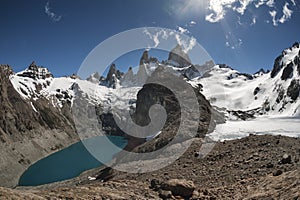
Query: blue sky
point(58, 34)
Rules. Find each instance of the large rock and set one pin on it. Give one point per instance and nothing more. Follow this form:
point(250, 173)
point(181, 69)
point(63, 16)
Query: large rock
point(179, 187)
point(152, 94)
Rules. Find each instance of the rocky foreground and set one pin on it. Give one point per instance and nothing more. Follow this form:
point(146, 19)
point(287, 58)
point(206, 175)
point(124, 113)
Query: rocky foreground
point(255, 167)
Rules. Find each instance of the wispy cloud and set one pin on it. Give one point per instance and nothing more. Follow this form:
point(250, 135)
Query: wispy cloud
point(243, 6)
point(273, 14)
point(253, 21)
point(287, 14)
point(186, 45)
point(219, 8)
point(51, 14)
point(155, 37)
point(182, 30)
point(192, 23)
point(160, 36)
point(294, 3)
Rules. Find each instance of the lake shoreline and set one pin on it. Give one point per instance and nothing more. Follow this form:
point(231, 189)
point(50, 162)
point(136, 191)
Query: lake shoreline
point(227, 172)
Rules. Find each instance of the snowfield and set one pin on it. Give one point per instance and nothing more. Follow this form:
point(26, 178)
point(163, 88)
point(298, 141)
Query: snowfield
point(287, 126)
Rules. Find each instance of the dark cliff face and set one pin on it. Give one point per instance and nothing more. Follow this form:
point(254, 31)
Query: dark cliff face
point(277, 66)
point(293, 90)
point(290, 71)
point(17, 116)
point(288, 68)
point(152, 94)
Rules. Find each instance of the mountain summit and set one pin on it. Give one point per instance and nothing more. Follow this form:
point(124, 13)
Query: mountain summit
point(178, 57)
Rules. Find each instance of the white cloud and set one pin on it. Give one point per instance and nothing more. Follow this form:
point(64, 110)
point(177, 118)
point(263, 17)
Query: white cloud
point(239, 21)
point(192, 23)
point(157, 36)
point(186, 45)
point(270, 3)
point(182, 30)
point(253, 21)
point(273, 14)
point(294, 3)
point(243, 7)
point(153, 37)
point(219, 8)
point(51, 14)
point(260, 3)
point(287, 13)
point(191, 45)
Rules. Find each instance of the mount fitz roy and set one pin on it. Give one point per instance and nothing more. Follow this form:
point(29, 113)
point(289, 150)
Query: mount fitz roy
point(35, 107)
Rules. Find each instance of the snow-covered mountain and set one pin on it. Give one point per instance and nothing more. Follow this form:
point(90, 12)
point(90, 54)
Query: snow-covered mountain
point(273, 92)
point(31, 85)
point(265, 93)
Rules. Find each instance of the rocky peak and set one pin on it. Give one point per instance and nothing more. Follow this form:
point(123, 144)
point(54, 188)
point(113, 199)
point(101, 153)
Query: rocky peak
point(262, 70)
point(74, 76)
point(128, 78)
point(225, 66)
point(36, 72)
point(178, 57)
point(112, 77)
point(296, 45)
point(6, 70)
point(287, 61)
point(94, 77)
point(144, 58)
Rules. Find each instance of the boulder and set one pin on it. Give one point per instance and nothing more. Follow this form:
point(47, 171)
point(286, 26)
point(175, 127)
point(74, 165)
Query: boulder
point(179, 187)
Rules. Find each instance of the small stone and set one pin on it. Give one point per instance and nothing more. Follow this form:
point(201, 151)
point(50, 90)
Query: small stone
point(155, 184)
point(277, 172)
point(270, 165)
point(164, 194)
point(286, 159)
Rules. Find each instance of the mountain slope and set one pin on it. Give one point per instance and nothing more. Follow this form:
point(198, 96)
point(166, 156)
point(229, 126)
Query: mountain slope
point(271, 93)
point(29, 130)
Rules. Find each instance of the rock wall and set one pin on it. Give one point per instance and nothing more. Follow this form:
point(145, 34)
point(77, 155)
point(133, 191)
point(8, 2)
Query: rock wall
point(29, 130)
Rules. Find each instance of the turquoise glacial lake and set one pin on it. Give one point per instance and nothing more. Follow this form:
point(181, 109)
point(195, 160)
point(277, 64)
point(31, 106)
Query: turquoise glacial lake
point(70, 162)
